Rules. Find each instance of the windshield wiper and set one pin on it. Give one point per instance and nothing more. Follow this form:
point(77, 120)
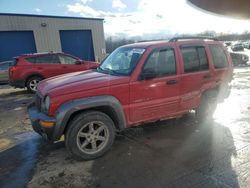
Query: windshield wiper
point(109, 71)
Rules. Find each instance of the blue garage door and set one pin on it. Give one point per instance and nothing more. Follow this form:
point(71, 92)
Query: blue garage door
point(78, 43)
point(14, 43)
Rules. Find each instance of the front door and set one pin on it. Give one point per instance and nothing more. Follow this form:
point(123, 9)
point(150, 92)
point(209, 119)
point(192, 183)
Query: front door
point(70, 64)
point(156, 97)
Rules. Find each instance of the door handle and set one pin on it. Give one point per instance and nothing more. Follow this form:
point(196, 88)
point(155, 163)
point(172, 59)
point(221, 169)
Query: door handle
point(171, 82)
point(207, 76)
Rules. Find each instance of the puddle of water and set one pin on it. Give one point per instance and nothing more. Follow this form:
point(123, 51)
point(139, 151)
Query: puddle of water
point(23, 164)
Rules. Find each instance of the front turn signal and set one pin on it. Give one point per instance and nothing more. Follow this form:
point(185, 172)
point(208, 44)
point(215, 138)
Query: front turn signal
point(47, 124)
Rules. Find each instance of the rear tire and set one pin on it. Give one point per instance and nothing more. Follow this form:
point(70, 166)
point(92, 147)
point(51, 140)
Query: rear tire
point(206, 108)
point(90, 135)
point(32, 83)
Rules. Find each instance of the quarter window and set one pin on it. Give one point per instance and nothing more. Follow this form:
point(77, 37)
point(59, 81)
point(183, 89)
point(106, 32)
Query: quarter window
point(194, 58)
point(219, 57)
point(31, 59)
point(162, 62)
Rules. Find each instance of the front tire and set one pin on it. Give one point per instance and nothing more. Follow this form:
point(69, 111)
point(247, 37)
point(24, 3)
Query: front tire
point(90, 135)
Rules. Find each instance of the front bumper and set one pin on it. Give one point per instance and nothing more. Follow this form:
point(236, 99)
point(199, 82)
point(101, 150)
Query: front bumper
point(35, 117)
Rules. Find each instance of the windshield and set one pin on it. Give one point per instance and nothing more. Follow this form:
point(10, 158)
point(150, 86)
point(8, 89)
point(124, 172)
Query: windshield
point(122, 61)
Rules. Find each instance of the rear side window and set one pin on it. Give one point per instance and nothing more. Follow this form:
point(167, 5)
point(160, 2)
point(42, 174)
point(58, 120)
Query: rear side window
point(195, 59)
point(203, 58)
point(45, 59)
point(31, 59)
point(219, 56)
point(162, 62)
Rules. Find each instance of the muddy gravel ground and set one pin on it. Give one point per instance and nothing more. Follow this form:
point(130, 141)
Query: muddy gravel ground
point(173, 153)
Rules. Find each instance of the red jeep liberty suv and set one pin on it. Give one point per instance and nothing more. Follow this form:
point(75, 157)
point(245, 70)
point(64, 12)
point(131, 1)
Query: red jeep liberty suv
point(30, 69)
point(135, 84)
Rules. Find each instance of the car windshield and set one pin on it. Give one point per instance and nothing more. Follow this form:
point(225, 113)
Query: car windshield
point(122, 61)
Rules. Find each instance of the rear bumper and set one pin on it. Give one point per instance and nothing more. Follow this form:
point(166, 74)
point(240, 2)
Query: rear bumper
point(4, 81)
point(17, 83)
point(35, 117)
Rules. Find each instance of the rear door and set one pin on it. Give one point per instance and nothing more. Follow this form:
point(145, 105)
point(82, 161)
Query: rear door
point(195, 77)
point(156, 98)
point(48, 65)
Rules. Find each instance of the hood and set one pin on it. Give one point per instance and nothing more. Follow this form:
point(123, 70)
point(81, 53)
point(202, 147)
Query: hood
point(78, 81)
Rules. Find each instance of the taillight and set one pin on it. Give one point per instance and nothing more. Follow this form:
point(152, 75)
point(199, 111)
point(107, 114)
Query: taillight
point(12, 70)
point(13, 67)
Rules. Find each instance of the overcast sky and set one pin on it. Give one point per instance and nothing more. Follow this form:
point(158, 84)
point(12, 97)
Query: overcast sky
point(132, 17)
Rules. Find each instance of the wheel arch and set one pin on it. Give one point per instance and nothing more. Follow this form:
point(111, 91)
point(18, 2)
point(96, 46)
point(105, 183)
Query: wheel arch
point(211, 93)
point(104, 109)
point(108, 105)
point(33, 75)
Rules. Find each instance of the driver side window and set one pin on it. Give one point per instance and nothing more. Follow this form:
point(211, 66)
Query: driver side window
point(162, 62)
point(67, 60)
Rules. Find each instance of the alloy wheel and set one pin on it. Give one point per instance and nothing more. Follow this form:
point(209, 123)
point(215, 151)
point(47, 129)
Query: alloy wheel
point(92, 137)
point(33, 84)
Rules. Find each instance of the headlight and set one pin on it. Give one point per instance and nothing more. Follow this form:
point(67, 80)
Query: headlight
point(46, 104)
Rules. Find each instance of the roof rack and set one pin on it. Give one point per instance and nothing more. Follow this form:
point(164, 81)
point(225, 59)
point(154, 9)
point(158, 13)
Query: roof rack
point(186, 38)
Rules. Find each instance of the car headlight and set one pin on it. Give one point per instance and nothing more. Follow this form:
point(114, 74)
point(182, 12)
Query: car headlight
point(46, 104)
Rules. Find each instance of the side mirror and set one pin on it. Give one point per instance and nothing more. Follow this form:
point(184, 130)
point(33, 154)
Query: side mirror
point(147, 74)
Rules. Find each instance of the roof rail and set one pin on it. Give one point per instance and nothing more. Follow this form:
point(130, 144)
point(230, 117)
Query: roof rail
point(187, 38)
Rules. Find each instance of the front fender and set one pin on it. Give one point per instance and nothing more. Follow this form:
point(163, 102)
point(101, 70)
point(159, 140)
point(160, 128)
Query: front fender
point(65, 111)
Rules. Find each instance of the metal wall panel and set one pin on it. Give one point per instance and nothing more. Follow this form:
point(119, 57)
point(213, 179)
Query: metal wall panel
point(46, 30)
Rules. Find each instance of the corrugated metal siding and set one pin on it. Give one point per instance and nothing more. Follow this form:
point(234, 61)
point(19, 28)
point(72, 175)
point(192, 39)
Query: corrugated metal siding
point(48, 38)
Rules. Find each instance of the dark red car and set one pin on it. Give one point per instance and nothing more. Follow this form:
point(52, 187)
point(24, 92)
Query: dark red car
point(135, 84)
point(30, 69)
